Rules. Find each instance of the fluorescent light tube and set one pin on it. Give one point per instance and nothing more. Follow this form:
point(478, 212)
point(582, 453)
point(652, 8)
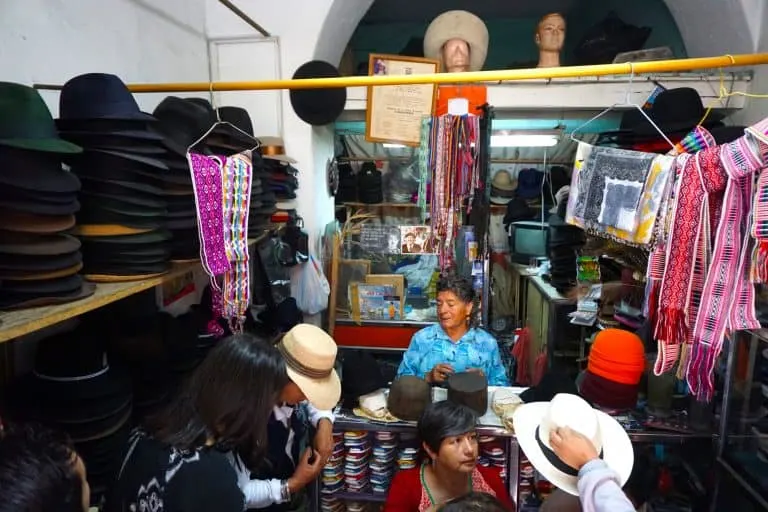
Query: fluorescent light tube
point(524, 141)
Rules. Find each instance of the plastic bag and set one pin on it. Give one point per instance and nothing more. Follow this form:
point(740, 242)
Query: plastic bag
point(310, 287)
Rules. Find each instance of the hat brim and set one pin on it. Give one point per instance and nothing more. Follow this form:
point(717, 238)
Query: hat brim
point(46, 145)
point(323, 394)
point(617, 447)
point(458, 25)
point(280, 158)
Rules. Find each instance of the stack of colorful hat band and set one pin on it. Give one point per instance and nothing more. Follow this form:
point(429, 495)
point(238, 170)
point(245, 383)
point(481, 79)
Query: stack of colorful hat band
point(408, 453)
point(281, 182)
point(358, 453)
point(333, 472)
point(383, 462)
point(492, 454)
point(39, 262)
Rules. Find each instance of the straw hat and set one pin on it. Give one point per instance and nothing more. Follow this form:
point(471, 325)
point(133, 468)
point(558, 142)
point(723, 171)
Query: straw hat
point(533, 423)
point(273, 148)
point(458, 25)
point(503, 180)
point(310, 354)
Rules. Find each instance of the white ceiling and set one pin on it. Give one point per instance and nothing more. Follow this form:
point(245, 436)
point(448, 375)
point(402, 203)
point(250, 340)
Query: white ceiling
point(387, 11)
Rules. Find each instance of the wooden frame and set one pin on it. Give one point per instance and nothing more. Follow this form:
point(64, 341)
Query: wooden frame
point(393, 113)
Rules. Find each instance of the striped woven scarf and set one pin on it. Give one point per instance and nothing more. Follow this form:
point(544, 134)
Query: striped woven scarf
point(728, 300)
point(759, 269)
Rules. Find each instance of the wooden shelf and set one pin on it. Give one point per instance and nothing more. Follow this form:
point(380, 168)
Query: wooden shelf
point(25, 321)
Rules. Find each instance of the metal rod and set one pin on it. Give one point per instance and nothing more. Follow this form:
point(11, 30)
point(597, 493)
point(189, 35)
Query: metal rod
point(725, 405)
point(504, 75)
point(240, 14)
point(385, 158)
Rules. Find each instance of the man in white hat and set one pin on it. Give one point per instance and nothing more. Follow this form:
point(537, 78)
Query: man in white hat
point(578, 449)
point(314, 390)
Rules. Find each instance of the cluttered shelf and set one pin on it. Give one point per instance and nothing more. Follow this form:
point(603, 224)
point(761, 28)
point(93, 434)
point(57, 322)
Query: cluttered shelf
point(496, 208)
point(25, 321)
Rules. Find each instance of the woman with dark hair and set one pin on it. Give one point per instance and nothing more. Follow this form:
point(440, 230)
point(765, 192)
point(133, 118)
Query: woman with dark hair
point(453, 344)
point(447, 433)
point(40, 471)
point(474, 502)
point(181, 461)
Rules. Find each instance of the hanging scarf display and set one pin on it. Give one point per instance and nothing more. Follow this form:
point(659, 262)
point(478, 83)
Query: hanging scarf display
point(222, 188)
point(728, 299)
point(617, 193)
point(455, 176)
point(759, 230)
point(423, 166)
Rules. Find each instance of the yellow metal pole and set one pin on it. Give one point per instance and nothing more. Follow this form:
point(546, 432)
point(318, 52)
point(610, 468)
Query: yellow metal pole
point(505, 75)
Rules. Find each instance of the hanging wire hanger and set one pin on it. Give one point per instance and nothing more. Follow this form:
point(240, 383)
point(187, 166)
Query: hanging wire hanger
point(218, 123)
point(724, 93)
point(626, 103)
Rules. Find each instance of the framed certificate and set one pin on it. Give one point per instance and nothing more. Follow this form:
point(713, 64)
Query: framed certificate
point(393, 113)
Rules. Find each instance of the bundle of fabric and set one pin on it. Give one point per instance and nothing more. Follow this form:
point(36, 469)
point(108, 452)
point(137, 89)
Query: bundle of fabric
point(455, 176)
point(73, 388)
point(370, 189)
point(39, 261)
point(122, 202)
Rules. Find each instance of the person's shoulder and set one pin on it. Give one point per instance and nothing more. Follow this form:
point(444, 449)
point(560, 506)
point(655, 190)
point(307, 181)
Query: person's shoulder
point(483, 336)
point(221, 490)
point(405, 489)
point(429, 332)
point(493, 479)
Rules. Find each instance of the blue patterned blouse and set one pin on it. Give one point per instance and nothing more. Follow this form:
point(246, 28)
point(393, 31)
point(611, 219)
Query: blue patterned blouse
point(476, 349)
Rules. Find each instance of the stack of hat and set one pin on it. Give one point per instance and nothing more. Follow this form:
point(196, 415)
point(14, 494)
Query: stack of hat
point(74, 389)
point(279, 194)
point(333, 473)
point(492, 453)
point(122, 202)
point(39, 262)
point(181, 122)
point(347, 191)
point(383, 462)
point(529, 186)
point(358, 453)
point(369, 184)
point(563, 246)
point(503, 187)
point(616, 365)
point(408, 451)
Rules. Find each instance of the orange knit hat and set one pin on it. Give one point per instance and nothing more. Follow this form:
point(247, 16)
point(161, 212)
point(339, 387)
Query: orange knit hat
point(617, 355)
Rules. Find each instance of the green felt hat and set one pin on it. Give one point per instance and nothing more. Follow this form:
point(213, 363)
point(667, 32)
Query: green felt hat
point(26, 122)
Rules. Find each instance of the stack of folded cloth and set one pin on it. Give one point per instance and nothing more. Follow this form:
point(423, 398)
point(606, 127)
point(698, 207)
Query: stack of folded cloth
point(120, 222)
point(74, 389)
point(347, 191)
point(39, 261)
point(333, 471)
point(408, 451)
point(358, 453)
point(383, 463)
point(369, 184)
point(492, 453)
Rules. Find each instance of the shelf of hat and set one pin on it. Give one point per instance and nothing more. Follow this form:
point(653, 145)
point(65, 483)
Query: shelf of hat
point(25, 321)
point(590, 93)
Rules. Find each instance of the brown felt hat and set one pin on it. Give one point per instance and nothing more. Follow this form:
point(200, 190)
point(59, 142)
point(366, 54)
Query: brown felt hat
point(32, 223)
point(37, 245)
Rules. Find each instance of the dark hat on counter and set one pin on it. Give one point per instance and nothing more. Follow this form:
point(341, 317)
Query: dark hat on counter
point(360, 375)
point(318, 107)
point(469, 389)
point(99, 96)
point(408, 397)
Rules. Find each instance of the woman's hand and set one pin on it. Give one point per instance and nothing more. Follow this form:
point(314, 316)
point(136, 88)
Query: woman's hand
point(439, 373)
point(572, 447)
point(305, 472)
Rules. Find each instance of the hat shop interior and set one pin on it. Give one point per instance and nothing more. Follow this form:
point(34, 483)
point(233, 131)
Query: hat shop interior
point(589, 197)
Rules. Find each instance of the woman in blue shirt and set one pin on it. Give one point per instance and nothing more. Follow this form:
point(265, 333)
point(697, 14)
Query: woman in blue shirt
point(453, 345)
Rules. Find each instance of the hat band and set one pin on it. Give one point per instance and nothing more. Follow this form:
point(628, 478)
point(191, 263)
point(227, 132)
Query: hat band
point(299, 367)
point(556, 461)
point(272, 150)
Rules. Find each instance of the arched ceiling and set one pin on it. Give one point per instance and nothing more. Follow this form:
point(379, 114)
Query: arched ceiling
point(708, 27)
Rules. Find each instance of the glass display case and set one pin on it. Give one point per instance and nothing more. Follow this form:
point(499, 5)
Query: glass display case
point(743, 447)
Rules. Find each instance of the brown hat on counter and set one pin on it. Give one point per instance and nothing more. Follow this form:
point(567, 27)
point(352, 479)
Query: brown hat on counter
point(408, 397)
point(470, 389)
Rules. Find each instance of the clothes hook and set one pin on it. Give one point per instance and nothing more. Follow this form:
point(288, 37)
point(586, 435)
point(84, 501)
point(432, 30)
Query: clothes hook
point(213, 101)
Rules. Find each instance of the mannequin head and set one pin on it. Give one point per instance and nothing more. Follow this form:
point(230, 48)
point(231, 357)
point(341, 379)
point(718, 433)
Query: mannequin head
point(550, 36)
point(455, 56)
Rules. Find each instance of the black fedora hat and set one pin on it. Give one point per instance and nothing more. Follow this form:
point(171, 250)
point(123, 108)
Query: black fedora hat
point(42, 263)
point(26, 122)
point(117, 142)
point(99, 96)
point(238, 117)
point(182, 122)
point(21, 300)
point(318, 107)
point(37, 245)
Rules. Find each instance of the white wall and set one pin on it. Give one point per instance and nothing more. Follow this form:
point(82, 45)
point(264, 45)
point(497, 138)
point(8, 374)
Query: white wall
point(307, 30)
point(50, 41)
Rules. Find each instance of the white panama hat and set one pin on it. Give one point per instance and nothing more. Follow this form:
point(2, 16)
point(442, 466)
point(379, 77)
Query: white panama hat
point(533, 423)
